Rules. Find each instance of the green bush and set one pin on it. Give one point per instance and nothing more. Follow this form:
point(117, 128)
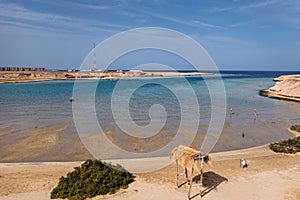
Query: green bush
point(92, 178)
point(287, 146)
point(295, 128)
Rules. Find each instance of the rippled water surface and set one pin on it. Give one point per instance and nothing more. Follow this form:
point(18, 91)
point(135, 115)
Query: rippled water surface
point(25, 106)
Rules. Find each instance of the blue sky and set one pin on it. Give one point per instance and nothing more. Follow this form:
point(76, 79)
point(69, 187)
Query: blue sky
point(238, 34)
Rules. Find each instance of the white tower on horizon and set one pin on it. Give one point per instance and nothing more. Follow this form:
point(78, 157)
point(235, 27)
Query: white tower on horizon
point(94, 59)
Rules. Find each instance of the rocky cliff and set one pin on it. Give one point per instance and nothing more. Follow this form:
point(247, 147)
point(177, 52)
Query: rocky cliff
point(287, 87)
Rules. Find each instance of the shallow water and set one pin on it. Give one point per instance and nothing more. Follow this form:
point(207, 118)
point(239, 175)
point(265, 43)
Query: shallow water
point(25, 106)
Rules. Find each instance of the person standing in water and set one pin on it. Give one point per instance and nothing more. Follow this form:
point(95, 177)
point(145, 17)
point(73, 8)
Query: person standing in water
point(254, 114)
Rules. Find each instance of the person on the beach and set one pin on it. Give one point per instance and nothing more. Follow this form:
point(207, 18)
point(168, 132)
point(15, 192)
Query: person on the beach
point(230, 111)
point(254, 114)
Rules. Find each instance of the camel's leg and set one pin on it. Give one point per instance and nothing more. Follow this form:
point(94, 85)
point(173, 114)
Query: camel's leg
point(201, 178)
point(191, 181)
point(201, 182)
point(177, 174)
point(186, 176)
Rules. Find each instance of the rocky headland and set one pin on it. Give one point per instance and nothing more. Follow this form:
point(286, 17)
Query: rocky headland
point(287, 87)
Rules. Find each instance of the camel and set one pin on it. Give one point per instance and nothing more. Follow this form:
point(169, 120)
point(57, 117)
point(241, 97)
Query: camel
point(190, 159)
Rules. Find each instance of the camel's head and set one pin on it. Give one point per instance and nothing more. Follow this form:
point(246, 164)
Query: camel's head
point(207, 160)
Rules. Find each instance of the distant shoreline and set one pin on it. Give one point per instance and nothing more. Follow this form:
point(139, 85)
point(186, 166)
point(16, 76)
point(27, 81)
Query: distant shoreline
point(38, 76)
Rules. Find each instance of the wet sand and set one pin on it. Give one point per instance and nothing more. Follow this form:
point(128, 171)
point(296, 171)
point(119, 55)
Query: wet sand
point(61, 142)
point(41, 144)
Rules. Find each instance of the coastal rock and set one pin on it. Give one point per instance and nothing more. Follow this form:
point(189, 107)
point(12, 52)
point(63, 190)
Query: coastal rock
point(287, 87)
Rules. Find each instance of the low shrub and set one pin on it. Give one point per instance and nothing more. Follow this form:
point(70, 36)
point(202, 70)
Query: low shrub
point(295, 128)
point(286, 146)
point(92, 178)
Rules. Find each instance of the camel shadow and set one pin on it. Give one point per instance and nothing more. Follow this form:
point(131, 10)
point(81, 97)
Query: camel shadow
point(211, 181)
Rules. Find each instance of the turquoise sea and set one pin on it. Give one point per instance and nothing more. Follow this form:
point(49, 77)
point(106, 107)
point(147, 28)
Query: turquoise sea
point(25, 106)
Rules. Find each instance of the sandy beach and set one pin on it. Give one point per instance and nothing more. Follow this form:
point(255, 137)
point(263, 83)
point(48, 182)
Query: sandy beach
point(269, 176)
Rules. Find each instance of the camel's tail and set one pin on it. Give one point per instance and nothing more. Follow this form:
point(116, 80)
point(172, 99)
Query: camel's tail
point(177, 152)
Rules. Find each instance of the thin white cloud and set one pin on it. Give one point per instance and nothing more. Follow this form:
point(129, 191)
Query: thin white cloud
point(203, 24)
point(224, 39)
point(127, 13)
point(286, 13)
point(12, 28)
point(292, 6)
point(193, 23)
point(154, 2)
point(288, 20)
point(246, 7)
point(15, 15)
point(221, 9)
point(259, 4)
point(240, 24)
point(96, 7)
point(18, 12)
